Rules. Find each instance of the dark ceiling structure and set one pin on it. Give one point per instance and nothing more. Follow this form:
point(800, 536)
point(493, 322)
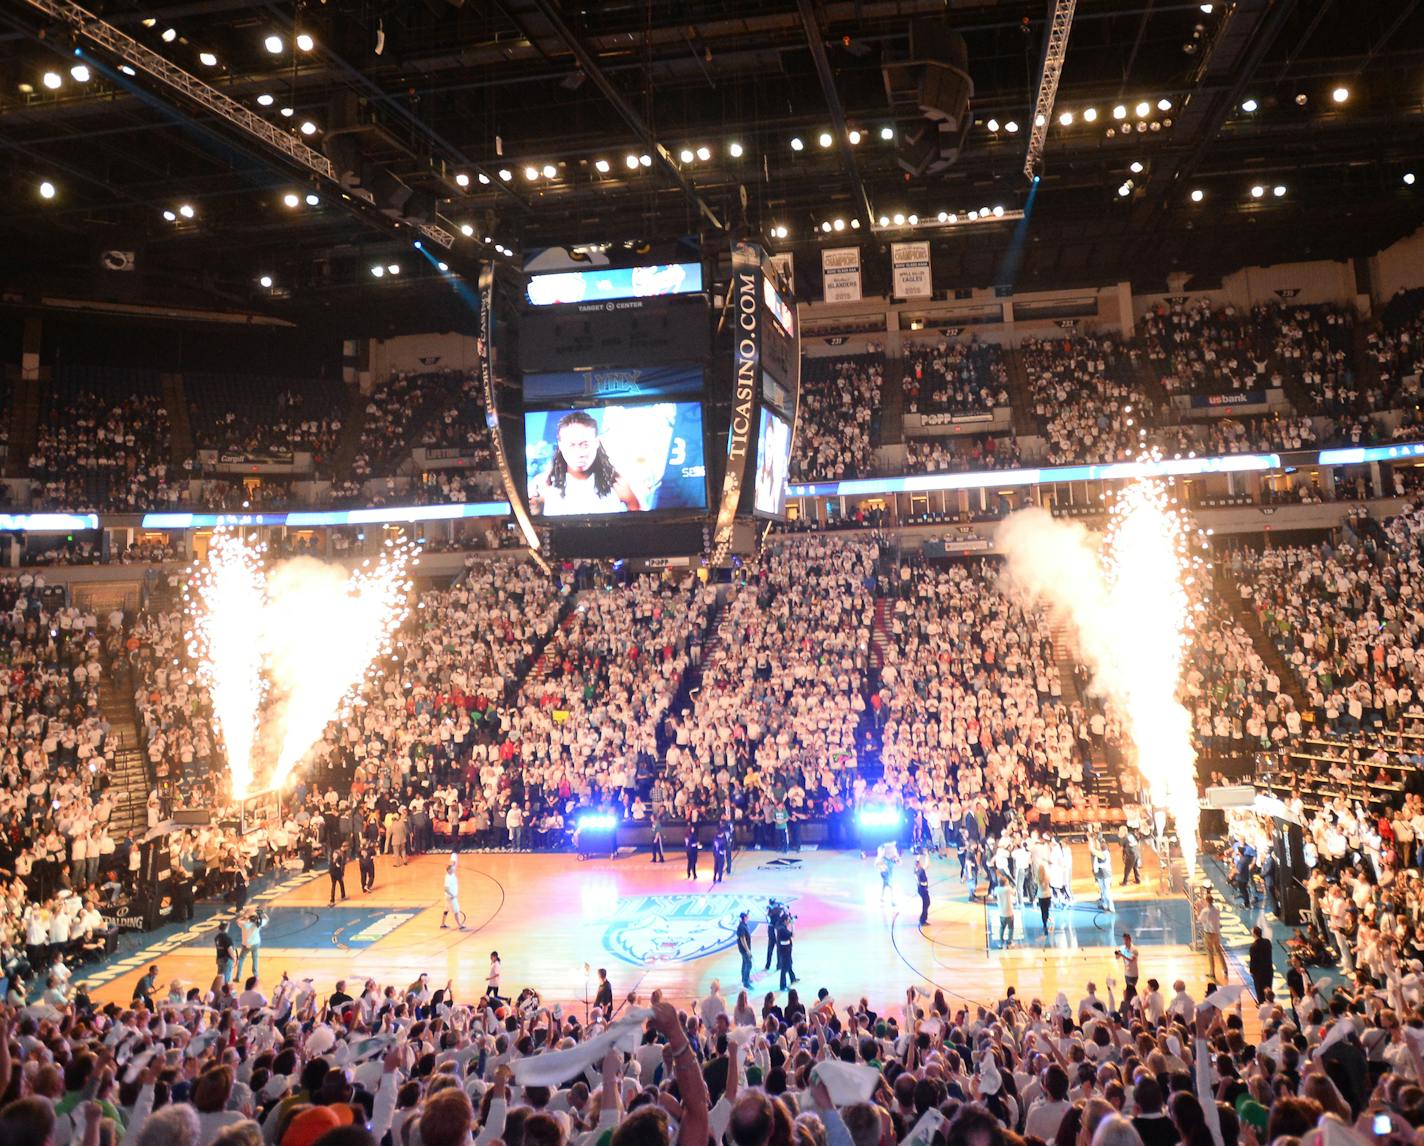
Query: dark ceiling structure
point(1186, 137)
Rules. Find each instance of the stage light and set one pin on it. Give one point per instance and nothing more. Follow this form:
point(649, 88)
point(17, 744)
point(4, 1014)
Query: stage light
point(308, 128)
point(998, 212)
point(462, 180)
point(287, 112)
point(1164, 104)
point(1119, 112)
point(1409, 179)
point(273, 44)
point(52, 80)
point(1125, 190)
point(973, 215)
point(953, 218)
point(1301, 99)
point(467, 230)
point(884, 220)
point(264, 100)
point(1066, 119)
point(393, 268)
point(1040, 120)
point(1278, 190)
point(1012, 127)
point(313, 199)
point(305, 42)
point(1207, 9)
point(601, 165)
point(704, 153)
point(854, 137)
point(1340, 94)
point(378, 271)
point(550, 171)
point(943, 217)
point(505, 174)
point(796, 144)
point(128, 71)
point(1198, 195)
point(170, 216)
point(169, 35)
point(839, 224)
point(1090, 115)
point(855, 224)
point(531, 173)
point(265, 282)
point(1136, 167)
point(292, 199)
point(826, 227)
point(483, 178)
point(1249, 105)
point(1257, 191)
point(26, 89)
point(80, 73)
point(207, 59)
point(878, 817)
point(913, 220)
point(899, 219)
point(645, 160)
point(598, 821)
point(887, 133)
point(992, 125)
point(186, 211)
point(632, 162)
point(47, 190)
point(685, 155)
point(824, 139)
point(443, 267)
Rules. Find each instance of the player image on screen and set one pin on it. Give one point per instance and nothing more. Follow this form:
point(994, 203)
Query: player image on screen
point(773, 460)
point(615, 459)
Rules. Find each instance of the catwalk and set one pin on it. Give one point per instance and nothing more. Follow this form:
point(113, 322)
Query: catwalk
point(550, 915)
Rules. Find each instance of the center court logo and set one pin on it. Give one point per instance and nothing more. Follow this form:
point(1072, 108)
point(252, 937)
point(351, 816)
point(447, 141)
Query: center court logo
point(650, 929)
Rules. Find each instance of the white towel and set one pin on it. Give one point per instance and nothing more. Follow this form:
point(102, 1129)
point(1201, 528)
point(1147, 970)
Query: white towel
point(846, 1082)
point(555, 1067)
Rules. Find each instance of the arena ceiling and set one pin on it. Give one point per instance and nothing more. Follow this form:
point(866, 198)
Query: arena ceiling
point(1323, 99)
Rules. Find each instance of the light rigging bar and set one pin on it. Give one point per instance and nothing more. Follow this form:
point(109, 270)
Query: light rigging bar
point(1054, 53)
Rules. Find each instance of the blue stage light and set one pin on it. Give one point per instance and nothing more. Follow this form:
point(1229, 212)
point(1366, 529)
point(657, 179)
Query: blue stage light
point(879, 817)
point(597, 821)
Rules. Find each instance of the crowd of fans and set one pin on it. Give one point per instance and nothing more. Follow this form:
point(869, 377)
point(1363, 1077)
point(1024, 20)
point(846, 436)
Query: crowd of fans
point(96, 453)
point(434, 409)
point(243, 417)
point(955, 378)
point(961, 453)
point(837, 418)
point(1084, 394)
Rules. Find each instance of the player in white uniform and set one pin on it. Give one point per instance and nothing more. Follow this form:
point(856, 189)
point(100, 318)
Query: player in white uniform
point(452, 895)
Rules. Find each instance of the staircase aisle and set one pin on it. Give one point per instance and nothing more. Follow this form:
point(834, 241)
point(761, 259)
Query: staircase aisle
point(1230, 596)
point(1101, 776)
point(1020, 398)
point(175, 401)
point(353, 422)
point(130, 781)
point(892, 404)
point(24, 424)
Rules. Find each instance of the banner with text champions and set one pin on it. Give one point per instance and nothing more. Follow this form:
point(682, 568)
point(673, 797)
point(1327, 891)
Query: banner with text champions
point(746, 367)
point(910, 270)
point(840, 274)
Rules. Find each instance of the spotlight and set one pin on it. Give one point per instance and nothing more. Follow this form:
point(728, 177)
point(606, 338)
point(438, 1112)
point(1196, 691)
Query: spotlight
point(1136, 167)
point(1142, 109)
point(899, 219)
point(378, 271)
point(1278, 190)
point(1012, 127)
point(505, 174)
point(1257, 191)
point(462, 180)
point(313, 199)
point(839, 224)
point(953, 218)
point(52, 80)
point(826, 227)
point(264, 100)
point(992, 125)
point(1249, 105)
point(1040, 120)
point(645, 160)
point(1090, 115)
point(128, 71)
point(1198, 195)
point(207, 59)
point(735, 150)
point(1340, 94)
point(483, 178)
point(393, 269)
point(884, 220)
point(913, 220)
point(973, 215)
point(273, 44)
point(824, 139)
point(1206, 9)
point(854, 137)
point(47, 190)
point(170, 216)
point(602, 166)
point(292, 199)
point(685, 155)
point(796, 144)
point(305, 42)
point(308, 128)
point(550, 171)
point(169, 35)
point(80, 73)
point(887, 133)
point(1120, 112)
point(265, 282)
point(443, 267)
point(1164, 104)
point(632, 162)
point(704, 153)
point(855, 224)
point(1301, 99)
point(186, 211)
point(531, 173)
point(467, 230)
point(1066, 119)
point(943, 217)
point(288, 112)
point(998, 212)
point(1125, 190)
point(1409, 179)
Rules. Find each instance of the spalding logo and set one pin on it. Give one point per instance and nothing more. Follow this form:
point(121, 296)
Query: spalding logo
point(680, 928)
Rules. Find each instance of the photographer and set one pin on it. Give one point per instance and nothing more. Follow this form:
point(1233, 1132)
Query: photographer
point(250, 924)
point(784, 937)
point(774, 911)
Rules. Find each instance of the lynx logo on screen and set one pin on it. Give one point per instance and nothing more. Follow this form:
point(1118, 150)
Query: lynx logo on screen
point(679, 928)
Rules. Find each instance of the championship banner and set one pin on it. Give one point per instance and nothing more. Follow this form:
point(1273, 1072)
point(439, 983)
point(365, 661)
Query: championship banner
point(910, 270)
point(840, 274)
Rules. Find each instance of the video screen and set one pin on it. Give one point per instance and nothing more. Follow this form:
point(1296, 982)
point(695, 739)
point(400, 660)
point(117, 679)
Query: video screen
point(783, 314)
point(607, 284)
point(615, 459)
point(773, 461)
point(612, 384)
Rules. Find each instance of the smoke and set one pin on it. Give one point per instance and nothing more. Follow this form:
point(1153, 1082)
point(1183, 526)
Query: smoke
point(1125, 598)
